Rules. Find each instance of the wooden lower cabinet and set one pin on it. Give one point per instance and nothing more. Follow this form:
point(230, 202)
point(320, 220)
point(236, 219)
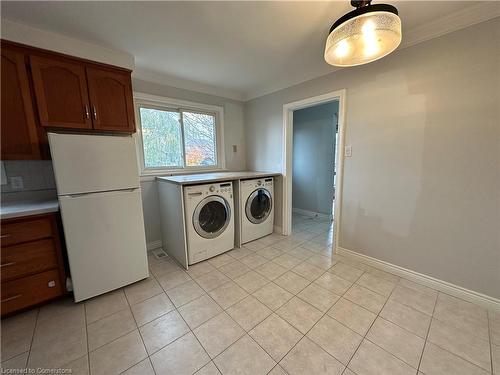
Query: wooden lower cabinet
point(32, 265)
point(30, 290)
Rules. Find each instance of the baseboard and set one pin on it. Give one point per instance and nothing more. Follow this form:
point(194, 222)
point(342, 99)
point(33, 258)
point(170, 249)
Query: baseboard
point(488, 302)
point(311, 213)
point(153, 245)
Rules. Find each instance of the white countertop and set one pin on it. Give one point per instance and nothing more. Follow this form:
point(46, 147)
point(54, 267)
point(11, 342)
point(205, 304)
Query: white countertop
point(28, 207)
point(213, 177)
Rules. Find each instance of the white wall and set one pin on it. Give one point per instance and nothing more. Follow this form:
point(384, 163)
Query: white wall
point(314, 158)
point(233, 135)
point(422, 189)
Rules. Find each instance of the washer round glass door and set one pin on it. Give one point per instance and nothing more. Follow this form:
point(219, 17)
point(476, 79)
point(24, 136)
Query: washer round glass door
point(211, 216)
point(258, 206)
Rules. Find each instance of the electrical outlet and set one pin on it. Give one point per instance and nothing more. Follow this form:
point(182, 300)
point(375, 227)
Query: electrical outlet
point(17, 183)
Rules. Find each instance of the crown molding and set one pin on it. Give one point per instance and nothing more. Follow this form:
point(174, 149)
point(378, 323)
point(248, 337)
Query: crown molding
point(452, 22)
point(32, 36)
point(185, 84)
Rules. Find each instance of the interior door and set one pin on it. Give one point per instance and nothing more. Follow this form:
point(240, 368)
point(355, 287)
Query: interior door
point(18, 131)
point(61, 93)
point(111, 100)
point(105, 240)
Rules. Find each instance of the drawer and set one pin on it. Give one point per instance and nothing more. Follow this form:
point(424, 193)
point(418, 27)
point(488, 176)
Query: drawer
point(28, 258)
point(21, 293)
point(26, 230)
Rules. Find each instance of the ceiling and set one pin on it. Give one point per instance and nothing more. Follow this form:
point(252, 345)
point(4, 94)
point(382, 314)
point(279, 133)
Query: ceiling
point(246, 48)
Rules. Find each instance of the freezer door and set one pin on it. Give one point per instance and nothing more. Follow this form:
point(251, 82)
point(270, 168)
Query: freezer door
point(105, 240)
point(89, 163)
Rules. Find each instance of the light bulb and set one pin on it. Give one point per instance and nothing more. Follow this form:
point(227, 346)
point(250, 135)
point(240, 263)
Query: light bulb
point(342, 48)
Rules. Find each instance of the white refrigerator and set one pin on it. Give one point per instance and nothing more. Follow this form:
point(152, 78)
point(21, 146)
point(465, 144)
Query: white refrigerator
point(99, 194)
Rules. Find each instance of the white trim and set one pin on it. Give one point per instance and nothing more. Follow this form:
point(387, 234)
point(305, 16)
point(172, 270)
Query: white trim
point(443, 286)
point(186, 84)
point(32, 36)
point(166, 102)
point(300, 211)
point(288, 109)
point(162, 100)
point(154, 245)
point(455, 21)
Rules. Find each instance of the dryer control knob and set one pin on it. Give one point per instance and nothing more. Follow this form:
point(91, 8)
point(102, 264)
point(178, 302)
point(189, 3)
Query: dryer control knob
point(212, 188)
point(259, 182)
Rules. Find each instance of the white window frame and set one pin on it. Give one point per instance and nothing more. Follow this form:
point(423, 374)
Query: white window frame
point(164, 103)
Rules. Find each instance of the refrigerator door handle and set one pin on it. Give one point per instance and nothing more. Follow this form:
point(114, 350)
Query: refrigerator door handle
point(100, 192)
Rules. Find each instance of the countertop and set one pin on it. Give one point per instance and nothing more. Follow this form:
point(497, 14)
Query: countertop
point(27, 205)
point(198, 178)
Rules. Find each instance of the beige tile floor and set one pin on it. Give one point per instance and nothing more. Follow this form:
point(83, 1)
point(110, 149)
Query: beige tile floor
point(276, 306)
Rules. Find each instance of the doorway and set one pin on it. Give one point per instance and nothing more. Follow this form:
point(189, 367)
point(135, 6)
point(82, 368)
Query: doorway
point(288, 156)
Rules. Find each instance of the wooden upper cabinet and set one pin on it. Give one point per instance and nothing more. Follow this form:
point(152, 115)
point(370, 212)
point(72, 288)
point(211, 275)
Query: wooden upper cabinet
point(18, 127)
point(111, 101)
point(61, 93)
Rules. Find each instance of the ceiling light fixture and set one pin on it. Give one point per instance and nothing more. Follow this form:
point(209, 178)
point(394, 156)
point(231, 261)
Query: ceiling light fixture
point(363, 35)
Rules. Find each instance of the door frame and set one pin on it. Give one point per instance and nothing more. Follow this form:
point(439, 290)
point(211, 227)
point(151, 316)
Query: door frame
point(287, 156)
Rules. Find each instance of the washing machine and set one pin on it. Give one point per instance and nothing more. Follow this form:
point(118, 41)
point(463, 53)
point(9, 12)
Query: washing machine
point(209, 220)
point(257, 208)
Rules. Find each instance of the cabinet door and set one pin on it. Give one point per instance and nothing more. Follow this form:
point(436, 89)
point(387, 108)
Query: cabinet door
point(111, 100)
point(19, 132)
point(61, 93)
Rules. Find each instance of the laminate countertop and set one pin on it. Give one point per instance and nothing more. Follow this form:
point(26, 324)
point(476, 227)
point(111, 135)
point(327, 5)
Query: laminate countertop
point(200, 178)
point(28, 206)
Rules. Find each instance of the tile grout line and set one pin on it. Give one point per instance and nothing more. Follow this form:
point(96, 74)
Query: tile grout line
point(32, 336)
point(491, 342)
point(305, 335)
point(369, 328)
point(247, 333)
point(190, 330)
point(176, 308)
point(273, 311)
point(138, 331)
point(428, 331)
point(87, 335)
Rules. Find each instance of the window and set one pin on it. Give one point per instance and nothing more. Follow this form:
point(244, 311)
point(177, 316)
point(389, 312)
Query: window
point(178, 135)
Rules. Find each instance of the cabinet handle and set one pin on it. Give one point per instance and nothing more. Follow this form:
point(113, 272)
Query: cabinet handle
point(5, 235)
point(87, 113)
point(11, 298)
point(7, 264)
point(95, 112)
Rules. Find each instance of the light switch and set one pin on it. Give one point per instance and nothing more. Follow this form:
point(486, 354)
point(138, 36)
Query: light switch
point(348, 151)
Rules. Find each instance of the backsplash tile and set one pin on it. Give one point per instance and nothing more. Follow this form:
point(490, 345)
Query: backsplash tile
point(35, 174)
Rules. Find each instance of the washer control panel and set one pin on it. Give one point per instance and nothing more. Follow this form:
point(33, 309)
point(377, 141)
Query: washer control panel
point(264, 182)
point(211, 189)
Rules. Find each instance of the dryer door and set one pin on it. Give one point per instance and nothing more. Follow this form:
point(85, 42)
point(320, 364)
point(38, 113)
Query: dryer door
point(211, 217)
point(258, 206)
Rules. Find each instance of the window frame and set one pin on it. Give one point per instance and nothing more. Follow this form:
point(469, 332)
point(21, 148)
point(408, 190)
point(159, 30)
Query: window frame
point(170, 104)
